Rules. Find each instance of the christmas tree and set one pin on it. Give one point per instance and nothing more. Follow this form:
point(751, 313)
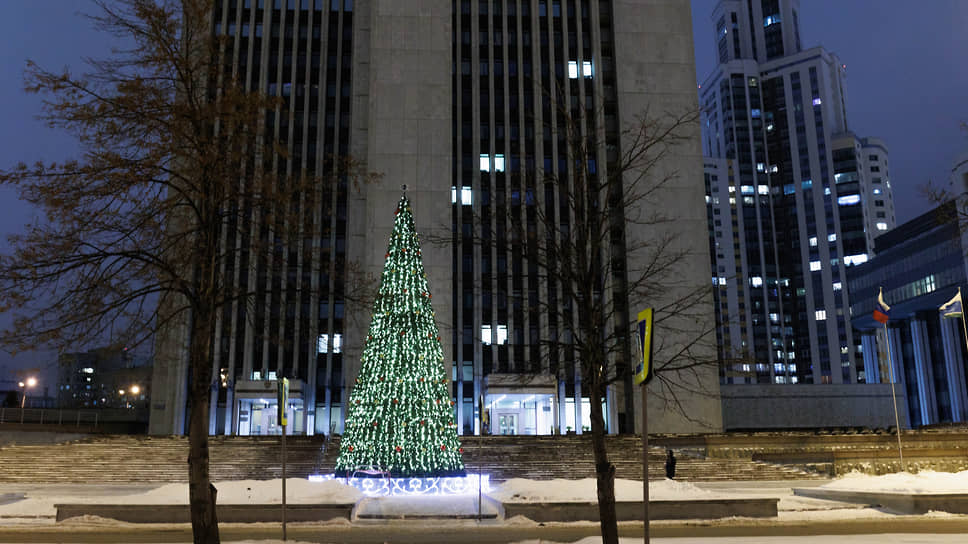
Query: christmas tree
point(400, 416)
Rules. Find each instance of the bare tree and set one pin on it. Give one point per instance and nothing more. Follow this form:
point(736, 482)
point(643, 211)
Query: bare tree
point(176, 161)
point(600, 232)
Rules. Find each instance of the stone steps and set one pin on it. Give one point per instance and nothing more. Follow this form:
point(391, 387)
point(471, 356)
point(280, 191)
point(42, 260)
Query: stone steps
point(113, 459)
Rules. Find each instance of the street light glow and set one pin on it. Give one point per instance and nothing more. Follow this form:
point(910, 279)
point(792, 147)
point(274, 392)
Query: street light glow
point(135, 389)
point(31, 381)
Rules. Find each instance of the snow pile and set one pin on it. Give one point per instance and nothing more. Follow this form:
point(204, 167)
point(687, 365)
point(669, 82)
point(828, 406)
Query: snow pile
point(927, 481)
point(520, 490)
point(298, 491)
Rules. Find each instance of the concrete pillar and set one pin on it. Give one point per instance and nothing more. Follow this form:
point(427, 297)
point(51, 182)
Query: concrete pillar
point(869, 347)
point(922, 363)
point(897, 367)
point(951, 339)
point(562, 406)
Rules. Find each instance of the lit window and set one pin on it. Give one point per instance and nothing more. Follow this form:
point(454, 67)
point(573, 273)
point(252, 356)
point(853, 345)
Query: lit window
point(753, 82)
point(780, 379)
point(760, 167)
point(573, 69)
point(774, 318)
point(747, 189)
point(256, 375)
point(817, 101)
point(755, 113)
point(747, 200)
point(877, 191)
point(485, 162)
point(769, 127)
point(855, 259)
point(586, 68)
point(502, 334)
point(793, 379)
point(466, 196)
point(722, 281)
point(814, 266)
point(771, 19)
point(831, 237)
point(882, 226)
point(486, 334)
point(87, 370)
point(322, 344)
point(756, 281)
point(498, 163)
point(763, 189)
point(806, 184)
point(774, 169)
point(453, 194)
point(838, 286)
point(337, 343)
point(820, 315)
point(848, 200)
point(813, 241)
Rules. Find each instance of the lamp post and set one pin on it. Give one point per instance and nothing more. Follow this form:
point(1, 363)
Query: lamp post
point(30, 382)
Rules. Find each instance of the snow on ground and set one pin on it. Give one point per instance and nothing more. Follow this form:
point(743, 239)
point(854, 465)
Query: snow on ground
point(521, 490)
point(823, 539)
point(926, 481)
point(298, 491)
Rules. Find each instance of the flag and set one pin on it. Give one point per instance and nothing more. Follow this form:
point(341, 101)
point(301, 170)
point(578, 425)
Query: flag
point(952, 308)
point(882, 311)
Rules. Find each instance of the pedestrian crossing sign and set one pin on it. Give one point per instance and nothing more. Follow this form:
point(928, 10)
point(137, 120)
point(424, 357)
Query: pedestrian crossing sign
point(643, 369)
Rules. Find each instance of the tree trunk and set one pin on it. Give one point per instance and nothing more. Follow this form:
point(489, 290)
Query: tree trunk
point(201, 492)
point(604, 471)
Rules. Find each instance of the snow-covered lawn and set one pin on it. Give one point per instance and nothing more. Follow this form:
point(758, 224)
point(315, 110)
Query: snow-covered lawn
point(926, 481)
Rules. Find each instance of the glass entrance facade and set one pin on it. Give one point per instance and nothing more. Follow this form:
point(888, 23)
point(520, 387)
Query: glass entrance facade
point(519, 413)
point(259, 417)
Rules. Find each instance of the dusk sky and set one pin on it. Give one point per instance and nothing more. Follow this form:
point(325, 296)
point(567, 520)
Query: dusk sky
point(907, 82)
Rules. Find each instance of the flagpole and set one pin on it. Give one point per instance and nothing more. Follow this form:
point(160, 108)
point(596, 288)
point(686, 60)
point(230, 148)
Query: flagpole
point(890, 365)
point(964, 326)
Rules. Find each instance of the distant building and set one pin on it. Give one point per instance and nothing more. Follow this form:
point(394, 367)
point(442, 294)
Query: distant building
point(793, 199)
point(109, 377)
point(920, 265)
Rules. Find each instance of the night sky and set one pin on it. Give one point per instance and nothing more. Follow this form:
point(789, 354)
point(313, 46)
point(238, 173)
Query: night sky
point(907, 79)
point(907, 84)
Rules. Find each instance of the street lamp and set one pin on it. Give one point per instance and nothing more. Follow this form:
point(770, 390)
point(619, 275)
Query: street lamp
point(31, 381)
point(134, 390)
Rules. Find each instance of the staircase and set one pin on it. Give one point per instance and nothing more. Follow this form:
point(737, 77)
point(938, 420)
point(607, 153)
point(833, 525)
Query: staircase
point(571, 457)
point(134, 459)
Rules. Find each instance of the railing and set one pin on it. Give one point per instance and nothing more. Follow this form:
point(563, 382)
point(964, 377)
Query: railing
point(50, 416)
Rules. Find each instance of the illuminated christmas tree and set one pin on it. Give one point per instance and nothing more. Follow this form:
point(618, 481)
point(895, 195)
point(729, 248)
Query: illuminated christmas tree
point(400, 416)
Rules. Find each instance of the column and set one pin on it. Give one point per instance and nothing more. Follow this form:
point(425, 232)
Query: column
point(922, 364)
point(562, 406)
point(896, 357)
point(951, 339)
point(869, 347)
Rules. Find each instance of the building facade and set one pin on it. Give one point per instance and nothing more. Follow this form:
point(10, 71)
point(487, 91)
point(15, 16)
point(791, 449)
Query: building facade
point(451, 99)
point(793, 199)
point(920, 265)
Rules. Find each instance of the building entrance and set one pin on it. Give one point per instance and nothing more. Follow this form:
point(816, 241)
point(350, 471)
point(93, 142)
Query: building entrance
point(259, 417)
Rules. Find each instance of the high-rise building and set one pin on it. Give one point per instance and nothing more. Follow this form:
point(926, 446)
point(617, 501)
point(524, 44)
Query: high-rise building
point(451, 98)
point(793, 198)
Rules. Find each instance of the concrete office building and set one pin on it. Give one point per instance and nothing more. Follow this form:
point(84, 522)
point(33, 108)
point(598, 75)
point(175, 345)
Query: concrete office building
point(448, 98)
point(793, 200)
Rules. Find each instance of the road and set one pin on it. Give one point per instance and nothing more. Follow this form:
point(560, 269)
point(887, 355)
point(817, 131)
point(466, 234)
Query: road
point(449, 532)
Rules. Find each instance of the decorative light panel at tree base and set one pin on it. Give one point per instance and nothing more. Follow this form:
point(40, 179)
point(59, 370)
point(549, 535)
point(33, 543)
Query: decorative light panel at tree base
point(397, 487)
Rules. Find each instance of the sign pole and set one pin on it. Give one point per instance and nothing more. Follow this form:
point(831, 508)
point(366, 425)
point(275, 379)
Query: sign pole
point(283, 400)
point(645, 462)
point(644, 374)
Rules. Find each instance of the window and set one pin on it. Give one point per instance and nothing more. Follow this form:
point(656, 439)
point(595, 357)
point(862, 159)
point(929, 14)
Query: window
point(878, 202)
point(838, 286)
point(486, 334)
point(322, 343)
point(813, 241)
point(848, 200)
point(817, 101)
point(499, 163)
point(755, 113)
point(855, 259)
point(877, 191)
point(466, 196)
point(485, 162)
point(756, 281)
point(831, 237)
point(820, 315)
point(573, 69)
point(882, 226)
point(814, 266)
point(807, 184)
point(586, 68)
point(771, 19)
point(872, 157)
